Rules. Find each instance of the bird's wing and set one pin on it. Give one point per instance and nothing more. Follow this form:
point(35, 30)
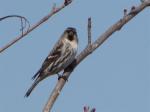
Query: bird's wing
point(52, 57)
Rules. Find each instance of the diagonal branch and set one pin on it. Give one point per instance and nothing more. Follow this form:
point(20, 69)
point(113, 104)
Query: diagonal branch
point(53, 12)
point(89, 49)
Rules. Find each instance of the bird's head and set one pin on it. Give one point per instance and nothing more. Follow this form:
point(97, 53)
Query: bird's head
point(71, 35)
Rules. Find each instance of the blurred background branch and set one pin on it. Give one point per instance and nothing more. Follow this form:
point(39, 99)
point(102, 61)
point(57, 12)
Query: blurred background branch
point(44, 19)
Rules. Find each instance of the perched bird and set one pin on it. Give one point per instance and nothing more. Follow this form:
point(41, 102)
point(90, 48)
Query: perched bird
point(61, 56)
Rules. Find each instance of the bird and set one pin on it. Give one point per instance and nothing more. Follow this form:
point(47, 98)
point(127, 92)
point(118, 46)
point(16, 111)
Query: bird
point(59, 58)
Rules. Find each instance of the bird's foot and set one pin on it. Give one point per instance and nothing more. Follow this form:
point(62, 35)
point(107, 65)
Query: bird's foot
point(61, 76)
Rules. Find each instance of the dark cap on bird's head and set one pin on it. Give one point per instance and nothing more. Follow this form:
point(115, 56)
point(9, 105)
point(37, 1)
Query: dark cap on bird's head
point(71, 31)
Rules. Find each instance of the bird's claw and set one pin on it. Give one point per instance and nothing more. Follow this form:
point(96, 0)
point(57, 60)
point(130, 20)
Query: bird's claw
point(64, 77)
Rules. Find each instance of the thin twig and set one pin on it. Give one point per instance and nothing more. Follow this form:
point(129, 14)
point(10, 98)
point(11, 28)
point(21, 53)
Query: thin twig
point(89, 31)
point(87, 109)
point(53, 11)
point(21, 19)
point(22, 27)
point(60, 84)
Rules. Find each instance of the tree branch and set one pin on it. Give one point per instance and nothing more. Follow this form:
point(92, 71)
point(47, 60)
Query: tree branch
point(89, 49)
point(53, 11)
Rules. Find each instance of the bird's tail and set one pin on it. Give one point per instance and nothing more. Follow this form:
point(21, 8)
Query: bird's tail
point(37, 74)
point(32, 87)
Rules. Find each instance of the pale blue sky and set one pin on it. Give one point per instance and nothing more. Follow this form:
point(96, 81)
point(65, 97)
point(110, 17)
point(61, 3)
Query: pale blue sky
point(115, 78)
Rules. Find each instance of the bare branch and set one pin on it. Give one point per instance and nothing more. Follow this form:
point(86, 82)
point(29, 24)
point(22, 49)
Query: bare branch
point(53, 11)
point(116, 27)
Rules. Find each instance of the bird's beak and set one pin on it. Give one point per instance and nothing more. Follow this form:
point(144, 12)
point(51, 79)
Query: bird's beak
point(71, 34)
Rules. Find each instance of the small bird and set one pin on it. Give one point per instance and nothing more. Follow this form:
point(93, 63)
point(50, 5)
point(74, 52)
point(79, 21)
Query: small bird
point(61, 56)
